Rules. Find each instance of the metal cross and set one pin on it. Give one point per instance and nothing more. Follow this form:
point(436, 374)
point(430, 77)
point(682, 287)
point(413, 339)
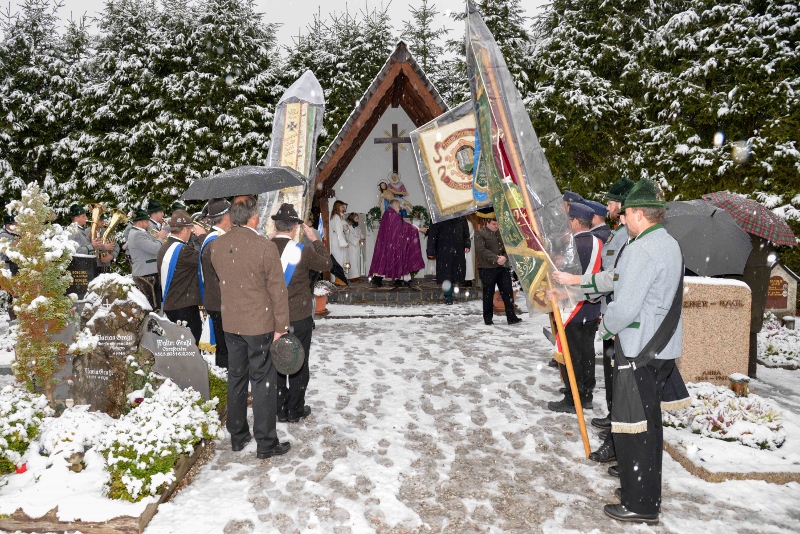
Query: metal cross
point(394, 140)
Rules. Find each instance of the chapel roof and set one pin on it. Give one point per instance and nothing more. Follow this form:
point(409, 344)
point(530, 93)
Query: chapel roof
point(400, 83)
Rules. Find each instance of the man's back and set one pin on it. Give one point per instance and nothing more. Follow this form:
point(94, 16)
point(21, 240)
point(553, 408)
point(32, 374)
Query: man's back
point(254, 296)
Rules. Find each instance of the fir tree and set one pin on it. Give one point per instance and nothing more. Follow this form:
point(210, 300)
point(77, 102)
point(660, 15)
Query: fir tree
point(425, 41)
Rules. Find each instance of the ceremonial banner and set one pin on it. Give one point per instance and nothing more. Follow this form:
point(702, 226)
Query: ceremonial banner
point(526, 200)
point(445, 152)
point(296, 126)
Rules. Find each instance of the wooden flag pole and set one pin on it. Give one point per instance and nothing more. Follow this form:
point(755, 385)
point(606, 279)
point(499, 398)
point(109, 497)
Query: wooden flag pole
point(504, 125)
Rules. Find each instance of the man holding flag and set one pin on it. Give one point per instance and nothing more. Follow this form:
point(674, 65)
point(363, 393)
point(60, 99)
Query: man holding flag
point(177, 271)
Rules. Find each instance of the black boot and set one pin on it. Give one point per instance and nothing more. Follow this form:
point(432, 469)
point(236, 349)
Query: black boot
point(377, 281)
point(605, 453)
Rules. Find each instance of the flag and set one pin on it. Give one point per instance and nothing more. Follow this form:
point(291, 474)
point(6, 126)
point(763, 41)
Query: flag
point(320, 228)
point(527, 201)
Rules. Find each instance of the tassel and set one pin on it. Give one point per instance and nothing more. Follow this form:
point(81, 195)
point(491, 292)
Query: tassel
point(207, 347)
point(629, 428)
point(677, 404)
point(559, 357)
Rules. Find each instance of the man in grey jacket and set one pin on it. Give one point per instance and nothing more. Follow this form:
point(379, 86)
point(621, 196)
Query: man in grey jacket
point(646, 279)
point(143, 249)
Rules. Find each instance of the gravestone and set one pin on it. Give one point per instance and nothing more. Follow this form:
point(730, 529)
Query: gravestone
point(83, 269)
point(782, 291)
point(176, 355)
point(716, 329)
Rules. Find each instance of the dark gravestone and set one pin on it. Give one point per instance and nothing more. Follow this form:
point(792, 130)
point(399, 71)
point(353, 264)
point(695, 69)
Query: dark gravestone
point(176, 355)
point(778, 293)
point(83, 269)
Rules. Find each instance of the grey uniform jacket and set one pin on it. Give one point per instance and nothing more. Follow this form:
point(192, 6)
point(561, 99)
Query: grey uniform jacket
point(645, 281)
point(114, 251)
point(80, 236)
point(602, 283)
point(143, 249)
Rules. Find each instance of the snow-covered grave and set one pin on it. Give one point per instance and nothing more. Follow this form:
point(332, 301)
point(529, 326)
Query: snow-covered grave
point(779, 346)
point(439, 423)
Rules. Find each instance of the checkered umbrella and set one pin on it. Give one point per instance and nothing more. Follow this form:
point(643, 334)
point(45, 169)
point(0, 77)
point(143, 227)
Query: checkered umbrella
point(754, 218)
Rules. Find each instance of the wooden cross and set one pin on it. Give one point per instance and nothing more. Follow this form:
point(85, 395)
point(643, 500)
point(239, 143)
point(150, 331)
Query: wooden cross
point(394, 139)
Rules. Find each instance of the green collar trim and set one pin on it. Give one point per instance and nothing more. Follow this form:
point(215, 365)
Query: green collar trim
point(651, 229)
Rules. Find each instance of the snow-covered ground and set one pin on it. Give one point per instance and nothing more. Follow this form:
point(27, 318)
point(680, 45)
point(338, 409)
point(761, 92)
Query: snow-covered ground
point(439, 424)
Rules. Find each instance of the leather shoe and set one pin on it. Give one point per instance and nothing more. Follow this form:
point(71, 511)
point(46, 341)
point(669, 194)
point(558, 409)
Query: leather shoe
point(298, 418)
point(236, 447)
point(562, 406)
point(602, 422)
point(277, 450)
point(618, 493)
point(614, 471)
point(488, 323)
point(620, 513)
point(282, 418)
point(563, 391)
point(604, 454)
point(515, 320)
point(553, 364)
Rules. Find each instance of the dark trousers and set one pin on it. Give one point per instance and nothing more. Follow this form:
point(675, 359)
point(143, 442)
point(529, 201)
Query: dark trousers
point(191, 316)
point(580, 338)
point(292, 397)
point(501, 277)
point(249, 360)
point(221, 354)
point(150, 286)
point(639, 455)
point(608, 371)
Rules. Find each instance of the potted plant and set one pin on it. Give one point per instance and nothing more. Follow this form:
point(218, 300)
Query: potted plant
point(322, 289)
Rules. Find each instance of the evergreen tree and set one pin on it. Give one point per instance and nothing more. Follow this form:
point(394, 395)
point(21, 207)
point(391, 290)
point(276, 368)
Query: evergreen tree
point(425, 41)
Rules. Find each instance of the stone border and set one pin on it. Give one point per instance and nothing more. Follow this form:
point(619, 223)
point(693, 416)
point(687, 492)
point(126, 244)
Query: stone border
point(773, 366)
point(19, 520)
point(714, 476)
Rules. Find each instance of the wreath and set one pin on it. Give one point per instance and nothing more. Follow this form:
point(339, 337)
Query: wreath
point(373, 215)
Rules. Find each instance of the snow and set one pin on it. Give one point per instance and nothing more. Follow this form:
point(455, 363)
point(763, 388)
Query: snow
point(715, 281)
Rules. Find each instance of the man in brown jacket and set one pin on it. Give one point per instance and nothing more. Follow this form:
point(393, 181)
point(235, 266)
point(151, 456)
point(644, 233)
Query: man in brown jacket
point(494, 270)
point(297, 260)
point(255, 312)
point(177, 271)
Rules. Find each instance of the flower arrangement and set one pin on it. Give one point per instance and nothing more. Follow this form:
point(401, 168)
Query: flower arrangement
point(142, 448)
point(373, 216)
point(717, 412)
point(21, 415)
point(323, 288)
point(421, 212)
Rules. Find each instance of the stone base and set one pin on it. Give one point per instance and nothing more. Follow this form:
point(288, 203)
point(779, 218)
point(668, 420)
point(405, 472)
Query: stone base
point(20, 522)
point(422, 290)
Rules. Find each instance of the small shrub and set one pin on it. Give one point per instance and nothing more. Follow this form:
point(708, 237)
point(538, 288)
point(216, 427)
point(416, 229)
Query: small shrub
point(21, 415)
point(218, 386)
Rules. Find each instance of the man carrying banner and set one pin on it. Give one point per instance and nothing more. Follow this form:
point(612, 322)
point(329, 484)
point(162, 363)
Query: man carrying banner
point(177, 272)
point(581, 325)
point(218, 217)
point(297, 260)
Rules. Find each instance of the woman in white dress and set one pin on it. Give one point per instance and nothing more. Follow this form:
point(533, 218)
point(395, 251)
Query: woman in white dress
point(355, 238)
point(338, 239)
point(469, 279)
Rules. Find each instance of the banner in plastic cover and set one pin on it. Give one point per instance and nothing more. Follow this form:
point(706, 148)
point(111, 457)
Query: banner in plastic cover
point(526, 199)
point(296, 126)
point(445, 152)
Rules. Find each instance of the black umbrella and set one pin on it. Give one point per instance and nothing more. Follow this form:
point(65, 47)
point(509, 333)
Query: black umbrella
point(711, 241)
point(247, 180)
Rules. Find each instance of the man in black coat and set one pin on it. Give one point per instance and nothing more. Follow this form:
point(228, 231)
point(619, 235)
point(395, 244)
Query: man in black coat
point(448, 241)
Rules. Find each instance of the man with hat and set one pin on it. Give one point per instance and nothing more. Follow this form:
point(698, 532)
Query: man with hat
point(156, 212)
point(297, 260)
point(644, 319)
point(9, 233)
point(494, 270)
point(177, 271)
point(255, 312)
point(581, 325)
point(599, 227)
point(78, 229)
point(219, 218)
point(143, 248)
point(570, 197)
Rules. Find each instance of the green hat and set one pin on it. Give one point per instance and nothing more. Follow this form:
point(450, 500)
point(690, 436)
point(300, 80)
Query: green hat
point(9, 219)
point(140, 215)
point(620, 189)
point(645, 194)
point(104, 216)
point(153, 206)
point(76, 210)
point(177, 206)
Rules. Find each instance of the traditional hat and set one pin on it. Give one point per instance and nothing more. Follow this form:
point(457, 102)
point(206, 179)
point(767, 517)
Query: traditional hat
point(217, 207)
point(486, 213)
point(287, 213)
point(180, 219)
point(569, 196)
point(287, 354)
point(76, 210)
point(645, 194)
point(619, 189)
point(598, 208)
point(154, 206)
point(140, 215)
point(177, 205)
point(104, 216)
point(9, 219)
point(580, 211)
